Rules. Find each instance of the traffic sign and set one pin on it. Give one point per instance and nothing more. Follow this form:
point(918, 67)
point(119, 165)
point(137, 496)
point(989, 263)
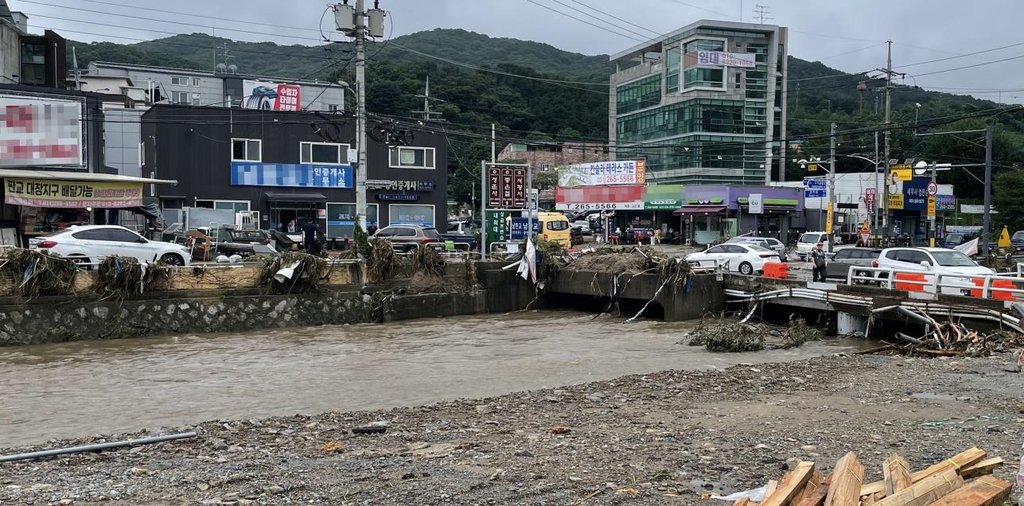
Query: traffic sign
point(932, 188)
point(869, 196)
point(931, 206)
point(814, 194)
point(815, 183)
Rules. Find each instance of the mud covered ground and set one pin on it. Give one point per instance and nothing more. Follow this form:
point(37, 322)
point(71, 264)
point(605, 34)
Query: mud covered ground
point(669, 437)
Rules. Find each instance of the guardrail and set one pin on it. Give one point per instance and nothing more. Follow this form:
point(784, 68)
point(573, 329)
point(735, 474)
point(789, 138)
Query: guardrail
point(997, 286)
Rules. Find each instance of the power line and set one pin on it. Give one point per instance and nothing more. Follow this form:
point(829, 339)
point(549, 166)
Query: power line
point(570, 16)
point(150, 9)
point(595, 9)
point(982, 64)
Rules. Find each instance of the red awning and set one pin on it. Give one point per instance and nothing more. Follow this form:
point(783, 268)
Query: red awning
point(698, 210)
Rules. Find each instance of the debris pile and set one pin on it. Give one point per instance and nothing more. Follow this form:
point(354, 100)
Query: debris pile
point(122, 277)
point(961, 480)
point(717, 335)
point(428, 261)
point(953, 338)
point(293, 272)
point(37, 273)
point(382, 261)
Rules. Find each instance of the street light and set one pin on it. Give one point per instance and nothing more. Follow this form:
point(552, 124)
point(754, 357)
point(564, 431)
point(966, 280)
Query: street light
point(831, 190)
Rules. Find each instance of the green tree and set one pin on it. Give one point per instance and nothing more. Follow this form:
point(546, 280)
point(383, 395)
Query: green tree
point(1008, 198)
point(546, 180)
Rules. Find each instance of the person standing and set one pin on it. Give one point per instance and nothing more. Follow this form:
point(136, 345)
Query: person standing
point(818, 262)
point(309, 232)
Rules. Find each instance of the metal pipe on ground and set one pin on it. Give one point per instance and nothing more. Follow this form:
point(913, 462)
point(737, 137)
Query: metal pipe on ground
point(96, 447)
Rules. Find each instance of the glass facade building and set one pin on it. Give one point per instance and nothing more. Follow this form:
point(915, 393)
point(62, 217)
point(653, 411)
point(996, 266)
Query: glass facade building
point(704, 104)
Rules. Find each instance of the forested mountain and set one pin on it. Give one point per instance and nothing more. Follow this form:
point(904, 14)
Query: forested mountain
point(473, 86)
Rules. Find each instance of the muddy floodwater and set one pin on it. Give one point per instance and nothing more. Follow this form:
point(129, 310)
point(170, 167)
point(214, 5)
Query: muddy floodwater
point(78, 389)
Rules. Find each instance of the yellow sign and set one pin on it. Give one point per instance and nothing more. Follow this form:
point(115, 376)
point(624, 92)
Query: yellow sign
point(812, 167)
point(1004, 238)
point(895, 201)
point(901, 174)
point(864, 227)
point(828, 220)
point(55, 193)
point(931, 206)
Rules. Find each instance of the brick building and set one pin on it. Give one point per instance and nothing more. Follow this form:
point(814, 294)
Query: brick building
point(546, 157)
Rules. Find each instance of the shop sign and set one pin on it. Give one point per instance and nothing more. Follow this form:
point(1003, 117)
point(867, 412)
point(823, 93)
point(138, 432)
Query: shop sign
point(623, 172)
point(497, 227)
point(704, 202)
point(869, 196)
point(931, 206)
point(895, 201)
point(946, 203)
point(407, 197)
point(40, 132)
point(71, 194)
point(755, 204)
point(506, 187)
point(604, 206)
point(901, 172)
point(520, 226)
point(975, 209)
point(268, 96)
point(296, 175)
point(391, 185)
point(915, 194)
point(663, 197)
point(600, 198)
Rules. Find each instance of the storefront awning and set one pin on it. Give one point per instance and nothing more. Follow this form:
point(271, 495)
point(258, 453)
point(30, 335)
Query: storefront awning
point(295, 197)
point(698, 210)
point(96, 177)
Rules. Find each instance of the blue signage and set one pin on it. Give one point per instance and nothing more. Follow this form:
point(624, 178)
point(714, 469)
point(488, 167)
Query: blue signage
point(520, 226)
point(945, 203)
point(407, 197)
point(300, 175)
point(815, 183)
point(915, 194)
point(815, 194)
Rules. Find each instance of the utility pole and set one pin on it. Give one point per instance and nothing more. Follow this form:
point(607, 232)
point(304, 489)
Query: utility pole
point(986, 220)
point(358, 22)
point(888, 120)
point(831, 184)
point(426, 114)
point(876, 221)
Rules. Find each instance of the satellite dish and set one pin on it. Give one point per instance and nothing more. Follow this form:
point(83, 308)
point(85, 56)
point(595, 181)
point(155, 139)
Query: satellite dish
point(221, 68)
point(233, 69)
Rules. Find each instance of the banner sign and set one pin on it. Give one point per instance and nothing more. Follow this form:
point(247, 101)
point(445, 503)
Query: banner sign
point(603, 173)
point(71, 194)
point(298, 175)
point(600, 198)
point(268, 96)
point(870, 194)
point(40, 132)
point(975, 209)
point(390, 185)
point(755, 203)
point(719, 58)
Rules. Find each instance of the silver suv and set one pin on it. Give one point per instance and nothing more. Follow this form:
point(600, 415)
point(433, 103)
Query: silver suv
point(764, 242)
point(406, 238)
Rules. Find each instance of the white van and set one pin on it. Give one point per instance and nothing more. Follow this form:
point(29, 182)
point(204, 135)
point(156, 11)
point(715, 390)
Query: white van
point(806, 243)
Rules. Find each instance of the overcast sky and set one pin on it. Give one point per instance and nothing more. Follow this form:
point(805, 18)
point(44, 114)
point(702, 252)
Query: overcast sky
point(849, 36)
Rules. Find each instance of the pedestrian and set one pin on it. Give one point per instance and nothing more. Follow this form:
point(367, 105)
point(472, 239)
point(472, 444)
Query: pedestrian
point(292, 229)
point(309, 232)
point(371, 229)
point(818, 262)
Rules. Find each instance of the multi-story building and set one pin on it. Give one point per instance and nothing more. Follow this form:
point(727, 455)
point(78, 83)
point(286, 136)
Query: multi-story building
point(549, 156)
point(705, 104)
point(31, 60)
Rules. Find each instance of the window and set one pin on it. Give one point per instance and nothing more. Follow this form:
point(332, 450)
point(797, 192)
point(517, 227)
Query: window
point(412, 214)
point(405, 157)
point(323, 152)
point(404, 232)
point(716, 250)
point(639, 94)
point(558, 225)
point(224, 205)
point(953, 258)
point(431, 233)
point(333, 108)
point(246, 150)
point(703, 78)
point(195, 82)
point(179, 81)
point(387, 232)
point(90, 235)
point(181, 97)
point(120, 235)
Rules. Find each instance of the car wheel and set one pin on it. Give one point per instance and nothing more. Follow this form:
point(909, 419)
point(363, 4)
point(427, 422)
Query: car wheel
point(746, 269)
point(82, 262)
point(173, 260)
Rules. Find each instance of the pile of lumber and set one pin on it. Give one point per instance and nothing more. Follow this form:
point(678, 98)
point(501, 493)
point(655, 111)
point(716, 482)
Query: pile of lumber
point(962, 480)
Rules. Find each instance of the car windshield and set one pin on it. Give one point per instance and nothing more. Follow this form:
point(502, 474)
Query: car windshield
point(953, 259)
point(759, 249)
point(431, 233)
point(954, 237)
point(558, 225)
point(1018, 236)
point(810, 238)
point(453, 227)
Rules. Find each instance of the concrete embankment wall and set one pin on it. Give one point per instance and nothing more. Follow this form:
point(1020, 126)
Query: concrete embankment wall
point(199, 309)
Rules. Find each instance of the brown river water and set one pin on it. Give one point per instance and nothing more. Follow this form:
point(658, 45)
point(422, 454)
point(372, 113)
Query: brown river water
point(101, 387)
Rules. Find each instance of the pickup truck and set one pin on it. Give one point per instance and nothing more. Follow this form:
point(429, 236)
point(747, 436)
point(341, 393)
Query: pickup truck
point(463, 234)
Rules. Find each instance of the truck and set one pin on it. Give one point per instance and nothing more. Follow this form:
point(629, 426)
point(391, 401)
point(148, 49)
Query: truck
point(463, 234)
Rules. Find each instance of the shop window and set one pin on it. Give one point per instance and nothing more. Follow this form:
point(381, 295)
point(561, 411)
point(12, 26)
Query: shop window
point(404, 157)
point(412, 214)
point(236, 206)
point(323, 153)
point(181, 97)
point(246, 150)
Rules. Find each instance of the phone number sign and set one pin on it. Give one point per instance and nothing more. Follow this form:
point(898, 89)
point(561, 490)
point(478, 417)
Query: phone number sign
point(506, 187)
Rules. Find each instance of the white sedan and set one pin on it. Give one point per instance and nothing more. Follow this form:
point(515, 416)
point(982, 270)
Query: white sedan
point(743, 258)
point(90, 244)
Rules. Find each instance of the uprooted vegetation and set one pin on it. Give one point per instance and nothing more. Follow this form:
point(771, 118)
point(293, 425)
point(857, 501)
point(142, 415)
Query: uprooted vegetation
point(307, 272)
point(718, 335)
point(122, 277)
point(672, 272)
point(38, 273)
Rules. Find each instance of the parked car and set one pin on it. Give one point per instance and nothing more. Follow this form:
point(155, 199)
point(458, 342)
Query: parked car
point(91, 244)
point(1017, 240)
point(462, 233)
point(240, 242)
point(764, 242)
point(806, 243)
point(932, 261)
point(849, 258)
point(406, 238)
point(575, 236)
point(743, 258)
point(955, 239)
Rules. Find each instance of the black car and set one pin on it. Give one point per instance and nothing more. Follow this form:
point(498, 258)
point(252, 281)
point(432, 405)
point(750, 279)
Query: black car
point(240, 242)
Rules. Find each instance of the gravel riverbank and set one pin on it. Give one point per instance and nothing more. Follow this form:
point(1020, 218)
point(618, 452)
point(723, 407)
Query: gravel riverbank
point(668, 437)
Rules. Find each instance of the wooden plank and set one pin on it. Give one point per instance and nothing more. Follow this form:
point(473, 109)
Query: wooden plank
point(814, 496)
point(981, 468)
point(985, 491)
point(961, 460)
point(897, 474)
point(742, 501)
point(847, 480)
point(769, 490)
point(812, 483)
point(925, 491)
point(791, 483)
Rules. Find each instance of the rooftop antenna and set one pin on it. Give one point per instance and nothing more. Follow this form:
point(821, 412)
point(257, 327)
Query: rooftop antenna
point(426, 114)
point(762, 14)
